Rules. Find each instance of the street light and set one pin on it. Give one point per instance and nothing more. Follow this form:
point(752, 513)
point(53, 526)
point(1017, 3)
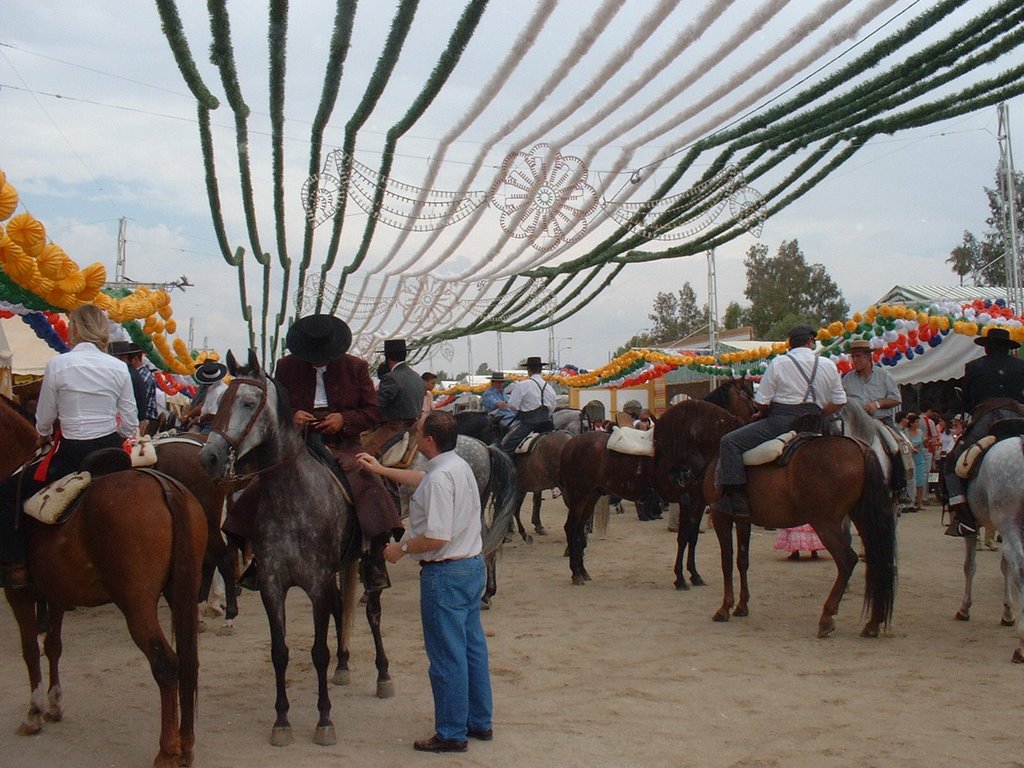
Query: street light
point(561, 346)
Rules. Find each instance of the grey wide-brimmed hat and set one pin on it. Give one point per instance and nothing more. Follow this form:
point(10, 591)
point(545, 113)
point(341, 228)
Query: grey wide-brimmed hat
point(999, 338)
point(497, 376)
point(319, 338)
point(210, 372)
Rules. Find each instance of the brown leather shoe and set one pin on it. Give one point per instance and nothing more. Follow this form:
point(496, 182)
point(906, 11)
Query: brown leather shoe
point(480, 734)
point(434, 744)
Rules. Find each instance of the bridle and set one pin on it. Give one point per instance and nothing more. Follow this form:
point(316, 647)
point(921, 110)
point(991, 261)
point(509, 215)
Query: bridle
point(220, 425)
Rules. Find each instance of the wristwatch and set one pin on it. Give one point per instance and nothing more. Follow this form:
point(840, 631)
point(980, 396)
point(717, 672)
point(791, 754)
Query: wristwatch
point(405, 547)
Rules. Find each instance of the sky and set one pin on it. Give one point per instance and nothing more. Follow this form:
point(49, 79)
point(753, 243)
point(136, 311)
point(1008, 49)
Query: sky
point(97, 124)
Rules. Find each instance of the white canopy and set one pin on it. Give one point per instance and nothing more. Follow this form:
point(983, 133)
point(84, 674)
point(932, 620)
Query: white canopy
point(940, 363)
point(21, 351)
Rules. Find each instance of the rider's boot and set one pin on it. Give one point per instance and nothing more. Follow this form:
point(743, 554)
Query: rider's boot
point(373, 572)
point(963, 523)
point(733, 502)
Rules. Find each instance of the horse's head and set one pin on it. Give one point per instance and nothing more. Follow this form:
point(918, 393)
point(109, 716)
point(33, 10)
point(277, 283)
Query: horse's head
point(736, 396)
point(248, 416)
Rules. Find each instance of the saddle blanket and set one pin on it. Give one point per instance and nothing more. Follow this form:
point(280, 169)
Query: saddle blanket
point(400, 451)
point(768, 451)
point(527, 445)
point(635, 442)
point(143, 452)
point(51, 504)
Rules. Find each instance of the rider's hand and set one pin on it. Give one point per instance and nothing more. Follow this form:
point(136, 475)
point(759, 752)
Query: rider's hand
point(367, 461)
point(330, 424)
point(302, 418)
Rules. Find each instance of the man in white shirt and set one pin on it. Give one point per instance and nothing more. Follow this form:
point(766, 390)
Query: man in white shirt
point(444, 535)
point(799, 383)
point(533, 400)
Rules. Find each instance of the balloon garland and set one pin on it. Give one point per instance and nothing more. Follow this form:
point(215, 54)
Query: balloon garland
point(39, 275)
point(895, 332)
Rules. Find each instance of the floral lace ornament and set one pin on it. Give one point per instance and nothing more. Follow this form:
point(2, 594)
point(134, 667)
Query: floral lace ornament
point(543, 195)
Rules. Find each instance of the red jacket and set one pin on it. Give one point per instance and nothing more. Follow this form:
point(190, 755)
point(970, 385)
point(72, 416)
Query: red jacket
point(350, 392)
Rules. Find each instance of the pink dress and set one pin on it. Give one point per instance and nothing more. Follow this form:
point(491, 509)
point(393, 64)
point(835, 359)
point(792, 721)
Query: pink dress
point(802, 538)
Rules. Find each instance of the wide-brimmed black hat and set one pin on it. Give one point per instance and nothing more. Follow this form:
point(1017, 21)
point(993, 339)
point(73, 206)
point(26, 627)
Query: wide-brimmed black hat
point(532, 362)
point(394, 349)
point(497, 376)
point(210, 372)
point(999, 338)
point(319, 338)
point(123, 348)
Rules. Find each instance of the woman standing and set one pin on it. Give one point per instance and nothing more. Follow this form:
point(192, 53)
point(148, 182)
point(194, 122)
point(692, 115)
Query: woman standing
point(922, 456)
point(86, 403)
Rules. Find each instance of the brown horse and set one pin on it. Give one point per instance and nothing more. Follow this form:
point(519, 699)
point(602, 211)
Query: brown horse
point(178, 457)
point(588, 470)
point(538, 471)
point(826, 480)
point(133, 537)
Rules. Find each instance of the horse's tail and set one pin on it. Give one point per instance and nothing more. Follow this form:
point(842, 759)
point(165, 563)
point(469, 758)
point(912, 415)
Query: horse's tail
point(877, 526)
point(504, 492)
point(184, 605)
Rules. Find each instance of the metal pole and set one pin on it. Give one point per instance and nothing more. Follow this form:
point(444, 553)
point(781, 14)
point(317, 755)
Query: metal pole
point(712, 310)
point(501, 363)
point(1012, 254)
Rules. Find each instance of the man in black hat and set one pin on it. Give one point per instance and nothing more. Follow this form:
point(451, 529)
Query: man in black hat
point(993, 390)
point(332, 397)
point(533, 401)
point(796, 384)
point(143, 384)
point(400, 397)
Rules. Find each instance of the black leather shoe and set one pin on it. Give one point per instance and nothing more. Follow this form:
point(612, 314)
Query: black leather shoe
point(434, 744)
point(480, 734)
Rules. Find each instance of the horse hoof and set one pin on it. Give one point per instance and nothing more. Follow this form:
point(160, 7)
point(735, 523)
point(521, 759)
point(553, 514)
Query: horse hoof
point(697, 581)
point(341, 677)
point(826, 628)
point(870, 630)
point(540, 530)
point(681, 585)
point(385, 689)
point(721, 615)
point(211, 612)
point(1018, 656)
point(185, 759)
point(578, 581)
point(1006, 622)
point(32, 727)
point(324, 736)
point(528, 539)
point(280, 735)
point(586, 576)
point(961, 616)
point(741, 611)
point(226, 630)
point(53, 716)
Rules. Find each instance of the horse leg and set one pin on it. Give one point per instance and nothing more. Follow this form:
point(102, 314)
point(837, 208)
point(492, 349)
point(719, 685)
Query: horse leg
point(677, 569)
point(538, 526)
point(23, 606)
point(273, 604)
point(743, 565)
point(970, 566)
point(576, 538)
point(144, 627)
point(1013, 554)
point(691, 529)
point(835, 541)
point(527, 538)
point(343, 608)
point(723, 529)
point(323, 600)
point(491, 587)
point(385, 686)
point(1006, 620)
point(53, 646)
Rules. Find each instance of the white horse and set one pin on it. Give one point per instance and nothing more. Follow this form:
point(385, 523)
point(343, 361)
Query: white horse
point(996, 497)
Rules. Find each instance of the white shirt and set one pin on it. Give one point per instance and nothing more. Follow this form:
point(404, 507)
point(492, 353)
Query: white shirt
point(212, 400)
point(782, 383)
point(446, 506)
point(320, 396)
point(526, 395)
point(90, 392)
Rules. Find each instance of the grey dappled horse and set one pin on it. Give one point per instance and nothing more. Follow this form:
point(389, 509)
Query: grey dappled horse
point(996, 497)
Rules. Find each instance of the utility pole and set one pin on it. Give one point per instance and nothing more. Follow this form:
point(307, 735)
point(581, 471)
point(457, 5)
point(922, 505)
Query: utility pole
point(1012, 253)
point(501, 364)
point(122, 281)
point(712, 309)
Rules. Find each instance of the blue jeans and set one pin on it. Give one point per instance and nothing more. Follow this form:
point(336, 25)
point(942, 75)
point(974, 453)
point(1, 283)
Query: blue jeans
point(456, 648)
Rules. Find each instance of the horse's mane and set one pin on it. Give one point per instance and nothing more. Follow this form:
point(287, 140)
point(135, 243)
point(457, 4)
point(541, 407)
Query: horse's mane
point(692, 425)
point(858, 422)
point(720, 395)
point(20, 409)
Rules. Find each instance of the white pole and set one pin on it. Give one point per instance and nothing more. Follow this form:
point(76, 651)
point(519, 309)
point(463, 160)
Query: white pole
point(1012, 254)
point(712, 309)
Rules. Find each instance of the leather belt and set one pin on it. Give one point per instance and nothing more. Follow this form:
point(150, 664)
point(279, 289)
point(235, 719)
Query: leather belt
point(447, 560)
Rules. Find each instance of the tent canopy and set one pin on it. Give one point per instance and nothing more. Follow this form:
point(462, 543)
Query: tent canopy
point(21, 349)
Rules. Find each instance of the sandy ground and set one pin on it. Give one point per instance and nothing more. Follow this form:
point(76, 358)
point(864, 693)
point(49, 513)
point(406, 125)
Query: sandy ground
point(625, 671)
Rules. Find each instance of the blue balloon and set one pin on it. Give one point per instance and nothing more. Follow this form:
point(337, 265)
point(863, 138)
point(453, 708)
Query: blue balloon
point(919, 349)
point(934, 341)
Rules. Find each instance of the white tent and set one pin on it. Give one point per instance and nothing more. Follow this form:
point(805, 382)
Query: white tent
point(940, 363)
point(21, 351)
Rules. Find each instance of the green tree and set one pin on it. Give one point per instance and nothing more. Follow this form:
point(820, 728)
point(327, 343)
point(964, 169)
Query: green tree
point(483, 369)
point(785, 287)
point(734, 316)
point(640, 340)
point(675, 315)
point(982, 258)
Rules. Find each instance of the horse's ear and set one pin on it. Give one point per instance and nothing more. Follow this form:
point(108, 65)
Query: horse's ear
point(232, 363)
point(254, 363)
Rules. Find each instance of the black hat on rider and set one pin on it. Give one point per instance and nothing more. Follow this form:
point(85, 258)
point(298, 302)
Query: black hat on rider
point(997, 338)
point(394, 349)
point(319, 339)
point(123, 349)
point(210, 372)
point(534, 362)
